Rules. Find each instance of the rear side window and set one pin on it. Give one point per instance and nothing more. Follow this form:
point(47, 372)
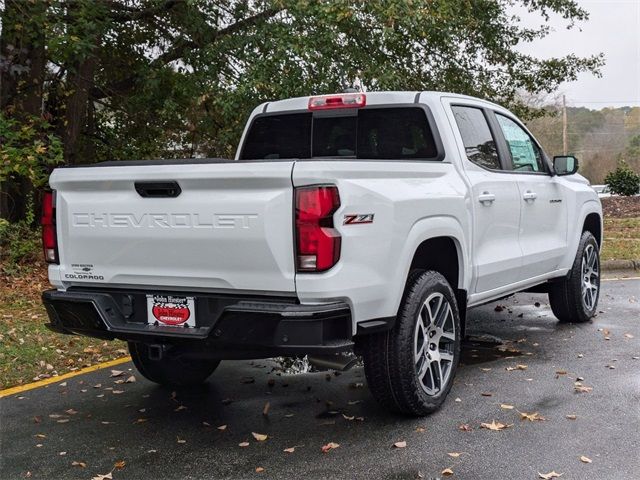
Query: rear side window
point(371, 133)
point(478, 141)
point(279, 136)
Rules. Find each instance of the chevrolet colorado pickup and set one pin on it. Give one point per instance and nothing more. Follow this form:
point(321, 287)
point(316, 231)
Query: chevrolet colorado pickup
point(366, 222)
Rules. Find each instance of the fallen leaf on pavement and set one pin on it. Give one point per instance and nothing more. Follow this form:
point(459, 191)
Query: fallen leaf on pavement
point(628, 335)
point(329, 446)
point(259, 436)
point(532, 417)
point(116, 373)
point(447, 472)
point(347, 417)
point(495, 426)
point(486, 394)
point(71, 411)
point(454, 454)
point(572, 417)
point(582, 389)
point(420, 429)
point(401, 444)
point(243, 444)
point(181, 440)
point(106, 476)
point(465, 427)
point(179, 408)
point(222, 428)
point(517, 367)
point(119, 465)
point(265, 410)
point(130, 379)
point(584, 459)
point(504, 406)
point(547, 476)
point(290, 449)
point(78, 464)
point(259, 469)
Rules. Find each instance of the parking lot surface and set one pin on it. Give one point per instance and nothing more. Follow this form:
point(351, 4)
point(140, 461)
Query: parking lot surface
point(516, 355)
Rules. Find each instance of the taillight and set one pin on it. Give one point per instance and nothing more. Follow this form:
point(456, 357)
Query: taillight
point(348, 100)
point(48, 222)
point(317, 242)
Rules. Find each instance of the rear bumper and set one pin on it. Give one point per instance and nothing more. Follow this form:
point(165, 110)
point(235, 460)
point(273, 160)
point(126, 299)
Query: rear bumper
point(231, 326)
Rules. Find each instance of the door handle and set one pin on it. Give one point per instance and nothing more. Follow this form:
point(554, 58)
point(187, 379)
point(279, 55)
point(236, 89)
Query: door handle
point(486, 197)
point(169, 189)
point(529, 195)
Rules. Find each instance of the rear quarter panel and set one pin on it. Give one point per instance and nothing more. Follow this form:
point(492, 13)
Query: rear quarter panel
point(410, 201)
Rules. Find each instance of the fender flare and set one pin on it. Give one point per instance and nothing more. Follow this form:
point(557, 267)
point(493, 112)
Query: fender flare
point(425, 229)
point(588, 207)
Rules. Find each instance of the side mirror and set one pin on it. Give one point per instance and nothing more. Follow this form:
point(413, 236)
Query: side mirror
point(565, 165)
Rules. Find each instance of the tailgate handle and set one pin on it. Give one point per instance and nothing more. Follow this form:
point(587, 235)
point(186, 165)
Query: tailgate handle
point(158, 189)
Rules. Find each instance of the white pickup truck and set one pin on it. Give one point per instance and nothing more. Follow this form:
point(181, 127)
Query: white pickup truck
point(366, 222)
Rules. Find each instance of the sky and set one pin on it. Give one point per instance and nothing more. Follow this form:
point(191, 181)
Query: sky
point(613, 28)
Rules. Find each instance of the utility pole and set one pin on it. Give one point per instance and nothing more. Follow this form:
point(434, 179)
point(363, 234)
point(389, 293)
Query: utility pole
point(564, 125)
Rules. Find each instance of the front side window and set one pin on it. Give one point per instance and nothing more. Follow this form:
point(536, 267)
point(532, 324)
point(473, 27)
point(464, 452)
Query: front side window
point(369, 133)
point(525, 155)
point(478, 141)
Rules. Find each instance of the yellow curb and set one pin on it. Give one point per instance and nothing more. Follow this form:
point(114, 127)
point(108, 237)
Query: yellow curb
point(59, 378)
point(618, 278)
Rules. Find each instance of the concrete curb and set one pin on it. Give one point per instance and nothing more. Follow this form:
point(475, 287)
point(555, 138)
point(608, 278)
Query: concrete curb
point(616, 265)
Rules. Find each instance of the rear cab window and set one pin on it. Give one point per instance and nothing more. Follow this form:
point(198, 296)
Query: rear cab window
point(375, 133)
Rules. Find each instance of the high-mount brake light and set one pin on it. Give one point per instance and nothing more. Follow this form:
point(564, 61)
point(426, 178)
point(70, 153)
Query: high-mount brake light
point(346, 100)
point(317, 242)
point(48, 222)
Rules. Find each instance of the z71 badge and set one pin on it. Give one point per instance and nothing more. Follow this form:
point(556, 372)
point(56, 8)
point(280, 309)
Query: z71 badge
point(358, 219)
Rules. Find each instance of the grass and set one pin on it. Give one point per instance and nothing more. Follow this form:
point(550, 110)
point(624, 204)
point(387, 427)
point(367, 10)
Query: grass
point(621, 239)
point(29, 351)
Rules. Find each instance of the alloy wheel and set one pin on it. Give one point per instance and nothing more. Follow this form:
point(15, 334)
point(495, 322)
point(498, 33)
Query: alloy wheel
point(434, 343)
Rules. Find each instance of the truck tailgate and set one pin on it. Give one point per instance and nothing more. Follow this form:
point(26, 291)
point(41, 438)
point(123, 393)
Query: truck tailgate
point(230, 227)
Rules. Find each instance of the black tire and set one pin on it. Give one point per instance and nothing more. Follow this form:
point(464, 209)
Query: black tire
point(172, 370)
point(568, 300)
point(390, 357)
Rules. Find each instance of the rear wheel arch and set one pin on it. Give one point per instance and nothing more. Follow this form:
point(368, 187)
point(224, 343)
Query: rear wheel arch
point(443, 254)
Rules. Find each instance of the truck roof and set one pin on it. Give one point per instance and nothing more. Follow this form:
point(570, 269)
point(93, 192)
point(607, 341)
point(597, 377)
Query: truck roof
point(373, 98)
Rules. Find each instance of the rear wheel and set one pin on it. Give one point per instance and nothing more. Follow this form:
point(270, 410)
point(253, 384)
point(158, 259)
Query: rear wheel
point(410, 369)
point(575, 298)
point(171, 370)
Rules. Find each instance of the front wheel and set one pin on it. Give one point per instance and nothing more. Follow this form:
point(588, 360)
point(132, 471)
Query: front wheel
point(171, 370)
point(575, 298)
point(410, 369)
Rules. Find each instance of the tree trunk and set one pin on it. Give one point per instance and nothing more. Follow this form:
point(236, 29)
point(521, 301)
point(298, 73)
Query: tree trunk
point(22, 66)
point(77, 108)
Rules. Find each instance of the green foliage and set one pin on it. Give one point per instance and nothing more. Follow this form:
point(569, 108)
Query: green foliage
point(20, 246)
point(28, 148)
point(623, 180)
point(179, 78)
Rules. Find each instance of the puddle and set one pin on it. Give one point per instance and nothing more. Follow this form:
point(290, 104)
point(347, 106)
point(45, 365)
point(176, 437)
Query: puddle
point(485, 348)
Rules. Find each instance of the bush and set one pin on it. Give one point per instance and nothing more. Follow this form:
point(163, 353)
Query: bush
point(20, 246)
point(623, 180)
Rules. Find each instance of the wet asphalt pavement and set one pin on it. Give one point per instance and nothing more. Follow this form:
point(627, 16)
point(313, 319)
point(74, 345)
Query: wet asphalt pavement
point(160, 436)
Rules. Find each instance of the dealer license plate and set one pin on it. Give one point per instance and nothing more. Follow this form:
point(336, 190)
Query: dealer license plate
point(171, 310)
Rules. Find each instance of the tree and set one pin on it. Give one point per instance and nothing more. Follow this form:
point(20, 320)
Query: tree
point(151, 78)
